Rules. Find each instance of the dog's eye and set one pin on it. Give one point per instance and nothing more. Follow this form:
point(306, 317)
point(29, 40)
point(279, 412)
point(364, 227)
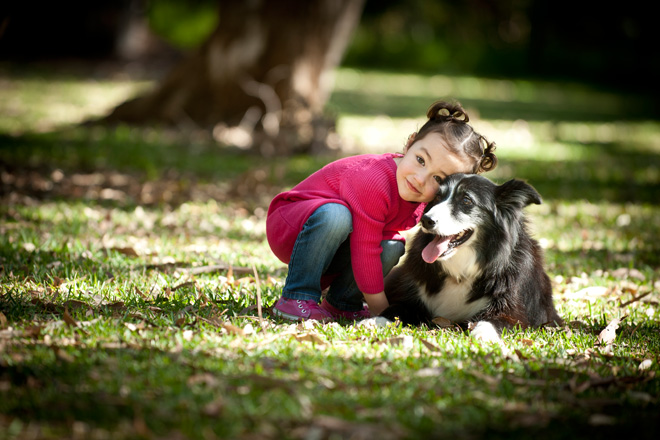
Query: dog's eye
point(467, 201)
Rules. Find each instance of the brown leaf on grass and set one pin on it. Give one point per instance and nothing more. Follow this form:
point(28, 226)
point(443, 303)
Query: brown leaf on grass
point(69, 319)
point(234, 330)
point(71, 322)
point(57, 281)
point(3, 321)
point(116, 306)
point(608, 335)
point(434, 348)
point(128, 251)
point(139, 292)
point(63, 355)
point(442, 322)
point(33, 331)
point(310, 337)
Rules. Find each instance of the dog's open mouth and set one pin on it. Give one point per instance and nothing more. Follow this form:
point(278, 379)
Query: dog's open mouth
point(443, 245)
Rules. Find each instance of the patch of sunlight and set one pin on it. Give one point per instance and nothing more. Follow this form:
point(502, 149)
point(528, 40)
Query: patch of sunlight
point(475, 88)
point(520, 139)
point(540, 140)
point(380, 134)
point(406, 84)
point(39, 105)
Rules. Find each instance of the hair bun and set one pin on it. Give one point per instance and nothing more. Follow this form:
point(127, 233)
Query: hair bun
point(448, 111)
point(488, 160)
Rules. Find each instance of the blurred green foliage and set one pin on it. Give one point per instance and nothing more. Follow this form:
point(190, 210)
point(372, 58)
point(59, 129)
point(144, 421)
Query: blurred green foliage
point(183, 24)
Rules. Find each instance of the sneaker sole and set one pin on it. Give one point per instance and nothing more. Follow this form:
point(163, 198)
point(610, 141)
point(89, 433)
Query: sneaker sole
point(284, 315)
point(297, 318)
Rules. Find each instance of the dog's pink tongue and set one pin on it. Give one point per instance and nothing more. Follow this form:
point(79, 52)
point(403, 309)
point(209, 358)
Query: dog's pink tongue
point(435, 248)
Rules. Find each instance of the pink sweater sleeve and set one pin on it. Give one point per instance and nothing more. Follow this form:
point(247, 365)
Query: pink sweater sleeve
point(369, 194)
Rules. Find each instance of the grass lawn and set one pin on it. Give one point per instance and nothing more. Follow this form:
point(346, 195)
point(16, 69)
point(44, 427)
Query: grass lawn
point(135, 279)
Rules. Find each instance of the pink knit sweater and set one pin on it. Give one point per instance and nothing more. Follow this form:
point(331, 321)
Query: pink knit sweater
point(366, 185)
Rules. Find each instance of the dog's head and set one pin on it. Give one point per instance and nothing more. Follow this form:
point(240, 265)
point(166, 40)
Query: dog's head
point(465, 205)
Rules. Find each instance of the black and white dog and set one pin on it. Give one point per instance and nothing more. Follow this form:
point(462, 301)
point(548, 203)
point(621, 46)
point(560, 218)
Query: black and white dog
point(473, 261)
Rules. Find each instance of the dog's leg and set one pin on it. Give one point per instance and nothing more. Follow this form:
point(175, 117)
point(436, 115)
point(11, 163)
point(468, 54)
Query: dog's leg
point(485, 331)
point(376, 321)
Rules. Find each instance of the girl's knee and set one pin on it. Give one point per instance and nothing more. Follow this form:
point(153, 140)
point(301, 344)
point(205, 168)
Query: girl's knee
point(336, 216)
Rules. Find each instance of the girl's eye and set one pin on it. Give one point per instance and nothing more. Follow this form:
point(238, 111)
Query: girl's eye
point(438, 179)
point(421, 160)
point(467, 201)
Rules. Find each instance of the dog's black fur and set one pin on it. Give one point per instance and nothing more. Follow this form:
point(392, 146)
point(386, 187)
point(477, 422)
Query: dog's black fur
point(493, 274)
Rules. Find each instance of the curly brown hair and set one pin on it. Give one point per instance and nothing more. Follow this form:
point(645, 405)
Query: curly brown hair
point(450, 120)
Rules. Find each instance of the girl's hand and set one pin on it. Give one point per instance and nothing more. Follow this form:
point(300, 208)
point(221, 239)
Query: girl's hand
point(377, 302)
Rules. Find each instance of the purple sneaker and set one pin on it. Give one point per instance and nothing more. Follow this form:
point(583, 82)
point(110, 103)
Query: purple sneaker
point(346, 314)
point(300, 310)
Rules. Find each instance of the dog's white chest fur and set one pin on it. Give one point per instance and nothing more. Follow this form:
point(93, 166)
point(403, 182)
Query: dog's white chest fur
point(452, 302)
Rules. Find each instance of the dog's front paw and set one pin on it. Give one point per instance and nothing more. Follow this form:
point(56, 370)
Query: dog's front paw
point(486, 332)
point(376, 321)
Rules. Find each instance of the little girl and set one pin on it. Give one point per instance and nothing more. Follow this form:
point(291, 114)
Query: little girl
point(339, 228)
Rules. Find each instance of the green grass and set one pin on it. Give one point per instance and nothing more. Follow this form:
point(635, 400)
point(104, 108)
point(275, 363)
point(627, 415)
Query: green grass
point(107, 331)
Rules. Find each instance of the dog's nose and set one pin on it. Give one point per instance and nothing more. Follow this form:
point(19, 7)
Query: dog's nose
point(427, 222)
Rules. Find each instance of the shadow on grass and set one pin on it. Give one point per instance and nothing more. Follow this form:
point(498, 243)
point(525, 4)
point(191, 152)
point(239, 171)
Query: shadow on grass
point(124, 161)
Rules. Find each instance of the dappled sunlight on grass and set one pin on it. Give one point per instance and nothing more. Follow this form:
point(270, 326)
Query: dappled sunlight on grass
point(43, 103)
point(136, 281)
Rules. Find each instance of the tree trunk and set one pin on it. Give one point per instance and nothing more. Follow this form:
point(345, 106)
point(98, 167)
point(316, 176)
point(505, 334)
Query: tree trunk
point(261, 79)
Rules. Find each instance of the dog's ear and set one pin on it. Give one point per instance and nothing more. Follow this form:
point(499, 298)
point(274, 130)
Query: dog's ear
point(518, 193)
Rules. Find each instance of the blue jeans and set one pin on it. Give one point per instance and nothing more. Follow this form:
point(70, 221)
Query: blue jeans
point(323, 248)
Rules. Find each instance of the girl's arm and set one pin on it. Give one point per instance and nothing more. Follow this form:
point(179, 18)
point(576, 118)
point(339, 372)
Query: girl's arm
point(377, 302)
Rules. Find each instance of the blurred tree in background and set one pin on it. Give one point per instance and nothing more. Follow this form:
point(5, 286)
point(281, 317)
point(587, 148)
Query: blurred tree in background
point(255, 72)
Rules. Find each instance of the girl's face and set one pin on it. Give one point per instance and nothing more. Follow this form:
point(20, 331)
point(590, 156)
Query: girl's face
point(425, 163)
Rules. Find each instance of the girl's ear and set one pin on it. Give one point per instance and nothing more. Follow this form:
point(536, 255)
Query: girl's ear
point(410, 140)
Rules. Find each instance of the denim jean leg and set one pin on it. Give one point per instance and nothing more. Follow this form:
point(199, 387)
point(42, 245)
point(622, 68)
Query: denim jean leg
point(344, 293)
point(325, 230)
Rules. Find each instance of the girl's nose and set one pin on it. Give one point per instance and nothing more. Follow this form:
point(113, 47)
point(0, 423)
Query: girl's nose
point(421, 177)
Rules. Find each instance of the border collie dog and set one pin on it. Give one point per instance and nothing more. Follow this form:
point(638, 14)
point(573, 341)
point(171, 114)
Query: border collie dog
point(473, 262)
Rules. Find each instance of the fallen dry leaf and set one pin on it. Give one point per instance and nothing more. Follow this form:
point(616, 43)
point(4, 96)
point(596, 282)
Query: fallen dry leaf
point(608, 335)
point(645, 365)
point(231, 328)
point(309, 337)
point(442, 322)
point(69, 319)
point(430, 346)
point(3, 320)
point(128, 251)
